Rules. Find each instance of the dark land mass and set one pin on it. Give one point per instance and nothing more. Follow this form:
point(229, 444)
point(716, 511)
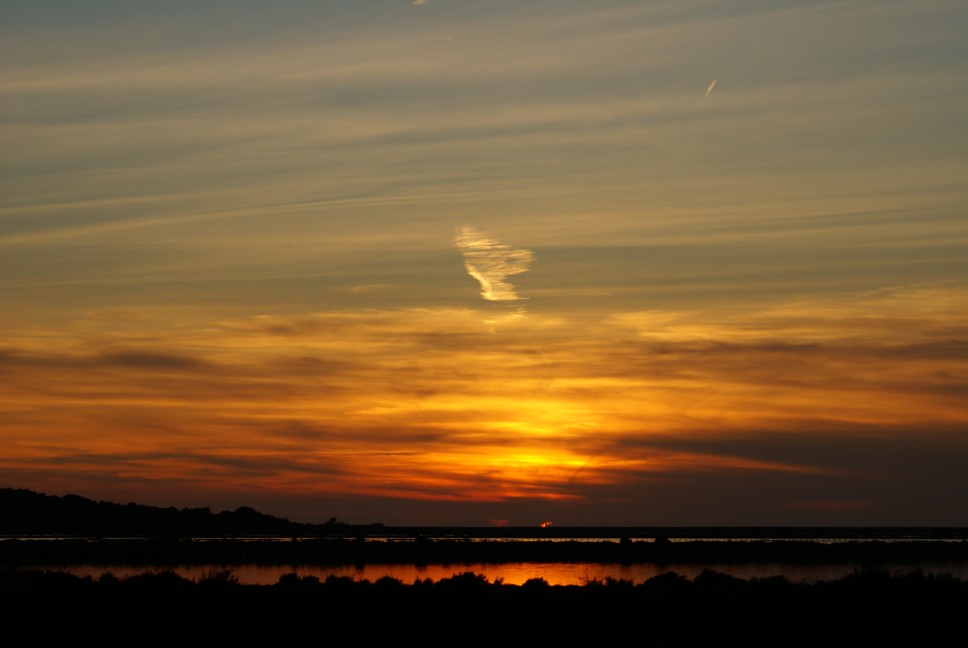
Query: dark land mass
point(41, 606)
point(336, 551)
point(163, 609)
point(27, 513)
point(105, 533)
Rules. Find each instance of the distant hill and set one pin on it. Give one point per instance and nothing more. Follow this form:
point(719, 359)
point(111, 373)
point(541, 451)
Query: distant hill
point(25, 512)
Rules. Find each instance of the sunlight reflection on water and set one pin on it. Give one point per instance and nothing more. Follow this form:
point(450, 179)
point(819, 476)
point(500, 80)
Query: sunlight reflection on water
point(512, 573)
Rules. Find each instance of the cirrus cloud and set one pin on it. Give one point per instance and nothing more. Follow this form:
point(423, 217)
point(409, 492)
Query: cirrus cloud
point(491, 263)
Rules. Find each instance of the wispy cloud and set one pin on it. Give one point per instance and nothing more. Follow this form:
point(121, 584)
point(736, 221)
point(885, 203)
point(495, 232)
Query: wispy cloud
point(710, 87)
point(491, 263)
point(429, 405)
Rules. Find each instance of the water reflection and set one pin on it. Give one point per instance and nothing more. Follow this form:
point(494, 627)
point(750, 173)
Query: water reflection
point(514, 573)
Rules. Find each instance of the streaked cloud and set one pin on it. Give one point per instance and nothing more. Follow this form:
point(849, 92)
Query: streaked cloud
point(428, 405)
point(491, 263)
point(710, 87)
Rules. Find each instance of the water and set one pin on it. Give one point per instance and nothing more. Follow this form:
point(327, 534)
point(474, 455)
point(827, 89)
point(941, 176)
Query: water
point(512, 573)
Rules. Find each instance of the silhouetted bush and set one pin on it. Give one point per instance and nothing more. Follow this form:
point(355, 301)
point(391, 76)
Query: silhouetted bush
point(219, 578)
point(710, 579)
point(465, 580)
point(667, 582)
point(388, 582)
point(163, 609)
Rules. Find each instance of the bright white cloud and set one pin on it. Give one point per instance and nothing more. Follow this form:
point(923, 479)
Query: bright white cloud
point(491, 263)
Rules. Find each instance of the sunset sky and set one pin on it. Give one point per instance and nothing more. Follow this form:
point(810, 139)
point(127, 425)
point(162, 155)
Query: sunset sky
point(488, 261)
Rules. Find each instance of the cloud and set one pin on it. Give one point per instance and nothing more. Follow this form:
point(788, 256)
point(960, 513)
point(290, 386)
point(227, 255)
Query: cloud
point(491, 263)
point(710, 87)
point(819, 400)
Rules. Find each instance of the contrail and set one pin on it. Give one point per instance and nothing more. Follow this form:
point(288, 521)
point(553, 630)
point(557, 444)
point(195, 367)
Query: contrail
point(491, 262)
point(712, 85)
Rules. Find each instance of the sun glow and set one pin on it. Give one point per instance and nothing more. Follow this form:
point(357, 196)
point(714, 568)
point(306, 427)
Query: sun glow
point(434, 406)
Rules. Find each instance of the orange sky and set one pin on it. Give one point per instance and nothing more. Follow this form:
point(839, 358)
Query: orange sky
point(489, 405)
point(616, 263)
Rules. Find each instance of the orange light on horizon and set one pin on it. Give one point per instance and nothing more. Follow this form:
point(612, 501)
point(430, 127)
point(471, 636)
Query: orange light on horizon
point(431, 405)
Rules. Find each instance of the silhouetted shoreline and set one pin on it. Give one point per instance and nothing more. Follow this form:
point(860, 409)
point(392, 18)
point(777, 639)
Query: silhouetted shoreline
point(106, 533)
point(336, 551)
point(27, 513)
point(163, 609)
point(44, 605)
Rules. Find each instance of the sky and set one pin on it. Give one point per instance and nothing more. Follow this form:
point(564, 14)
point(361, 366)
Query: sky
point(484, 262)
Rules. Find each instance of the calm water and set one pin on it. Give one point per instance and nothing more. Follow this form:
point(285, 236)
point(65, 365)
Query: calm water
point(513, 573)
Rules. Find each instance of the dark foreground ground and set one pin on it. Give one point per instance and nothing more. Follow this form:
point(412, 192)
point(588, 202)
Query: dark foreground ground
point(868, 607)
